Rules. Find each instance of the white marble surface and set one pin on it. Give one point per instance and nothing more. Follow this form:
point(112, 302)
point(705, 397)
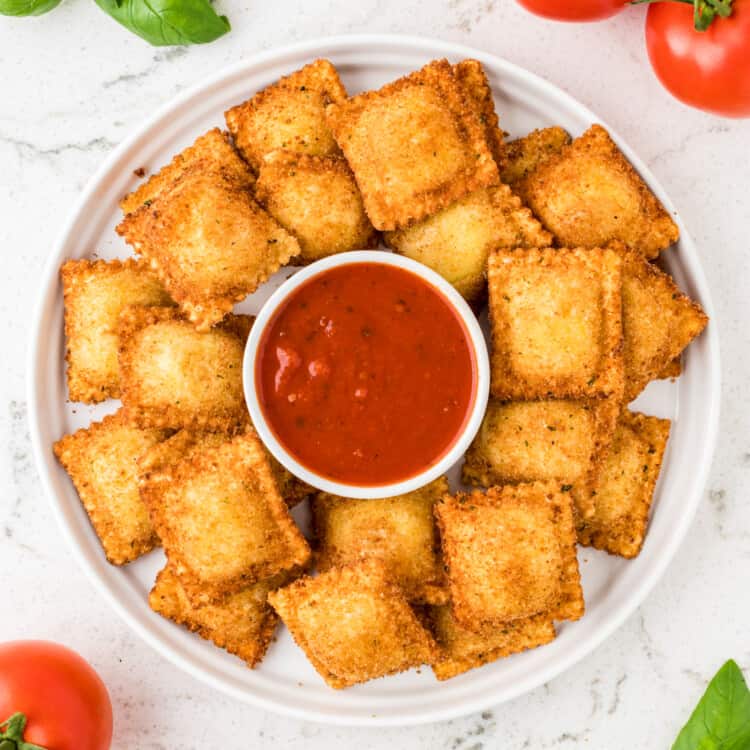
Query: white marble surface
point(73, 84)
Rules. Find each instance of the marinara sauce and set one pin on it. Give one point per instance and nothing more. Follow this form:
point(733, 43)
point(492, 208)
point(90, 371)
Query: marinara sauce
point(366, 374)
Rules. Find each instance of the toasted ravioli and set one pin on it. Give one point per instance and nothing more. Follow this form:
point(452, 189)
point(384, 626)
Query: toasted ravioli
point(671, 370)
point(456, 241)
point(462, 649)
point(95, 292)
point(288, 115)
point(471, 75)
point(174, 376)
point(209, 242)
point(399, 530)
point(354, 624)
point(510, 554)
point(243, 623)
point(625, 486)
point(102, 462)
point(524, 155)
point(556, 323)
point(415, 145)
point(528, 441)
point(589, 195)
point(221, 519)
point(213, 151)
point(658, 320)
point(317, 200)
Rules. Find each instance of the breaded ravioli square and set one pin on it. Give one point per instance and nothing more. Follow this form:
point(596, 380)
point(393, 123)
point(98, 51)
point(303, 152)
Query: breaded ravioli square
point(556, 322)
point(589, 195)
point(243, 623)
point(462, 649)
point(175, 376)
point(211, 151)
point(102, 462)
point(289, 115)
point(524, 155)
point(399, 530)
point(317, 200)
point(659, 321)
point(221, 519)
point(510, 554)
point(625, 486)
point(209, 242)
point(354, 624)
point(415, 145)
point(456, 241)
point(95, 292)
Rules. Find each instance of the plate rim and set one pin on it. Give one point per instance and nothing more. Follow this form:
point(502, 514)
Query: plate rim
point(629, 603)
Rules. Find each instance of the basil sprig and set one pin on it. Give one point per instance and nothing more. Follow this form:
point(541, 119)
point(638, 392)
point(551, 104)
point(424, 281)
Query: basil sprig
point(27, 7)
point(721, 720)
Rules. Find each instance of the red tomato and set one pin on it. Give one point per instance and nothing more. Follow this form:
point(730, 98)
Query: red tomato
point(574, 10)
point(705, 69)
point(64, 700)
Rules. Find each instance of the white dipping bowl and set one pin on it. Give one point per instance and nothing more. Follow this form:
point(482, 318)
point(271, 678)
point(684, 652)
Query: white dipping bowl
point(476, 340)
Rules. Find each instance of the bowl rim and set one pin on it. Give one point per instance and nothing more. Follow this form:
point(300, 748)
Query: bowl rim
point(476, 340)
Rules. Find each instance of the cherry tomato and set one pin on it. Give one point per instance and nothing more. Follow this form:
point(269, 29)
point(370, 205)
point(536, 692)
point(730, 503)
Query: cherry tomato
point(574, 10)
point(705, 69)
point(57, 695)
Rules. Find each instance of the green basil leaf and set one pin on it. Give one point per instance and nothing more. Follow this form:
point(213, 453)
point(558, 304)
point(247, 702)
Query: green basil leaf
point(721, 720)
point(168, 22)
point(27, 7)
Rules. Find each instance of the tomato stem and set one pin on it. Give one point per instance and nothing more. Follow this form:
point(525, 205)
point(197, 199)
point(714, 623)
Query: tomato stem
point(704, 11)
point(11, 734)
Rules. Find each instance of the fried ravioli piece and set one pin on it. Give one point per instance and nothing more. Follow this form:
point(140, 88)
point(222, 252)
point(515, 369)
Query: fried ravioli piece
point(243, 623)
point(317, 200)
point(289, 115)
point(221, 519)
point(101, 461)
point(415, 146)
point(510, 554)
point(471, 75)
point(212, 150)
point(456, 241)
point(625, 486)
point(174, 376)
point(524, 155)
point(672, 370)
point(658, 320)
point(399, 530)
point(589, 195)
point(95, 292)
point(354, 624)
point(556, 323)
point(462, 649)
point(209, 242)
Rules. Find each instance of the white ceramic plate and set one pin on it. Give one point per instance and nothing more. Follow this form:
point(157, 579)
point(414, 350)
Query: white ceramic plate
point(285, 682)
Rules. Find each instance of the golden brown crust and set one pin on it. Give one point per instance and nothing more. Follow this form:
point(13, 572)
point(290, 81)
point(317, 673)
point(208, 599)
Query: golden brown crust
point(94, 293)
point(510, 554)
point(589, 195)
point(289, 114)
point(208, 241)
point(175, 376)
point(472, 76)
point(101, 461)
point(317, 200)
point(221, 519)
point(556, 318)
point(213, 149)
point(625, 486)
point(671, 370)
point(243, 623)
point(399, 530)
point(456, 241)
point(462, 649)
point(354, 624)
point(524, 155)
point(415, 146)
